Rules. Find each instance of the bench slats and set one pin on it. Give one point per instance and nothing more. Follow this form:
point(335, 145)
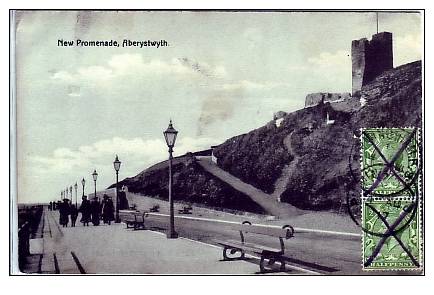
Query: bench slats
point(262, 230)
point(269, 253)
point(255, 248)
point(134, 219)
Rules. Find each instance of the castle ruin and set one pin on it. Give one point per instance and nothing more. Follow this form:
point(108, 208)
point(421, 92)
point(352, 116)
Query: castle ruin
point(370, 59)
point(313, 99)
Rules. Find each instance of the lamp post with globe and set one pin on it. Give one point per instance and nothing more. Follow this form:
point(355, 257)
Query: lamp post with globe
point(170, 136)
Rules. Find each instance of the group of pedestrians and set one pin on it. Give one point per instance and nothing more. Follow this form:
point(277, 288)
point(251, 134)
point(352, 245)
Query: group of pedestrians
point(91, 211)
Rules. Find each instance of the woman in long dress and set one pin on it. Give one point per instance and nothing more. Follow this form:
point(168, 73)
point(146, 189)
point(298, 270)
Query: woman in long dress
point(74, 214)
point(64, 212)
point(107, 210)
point(85, 210)
point(96, 211)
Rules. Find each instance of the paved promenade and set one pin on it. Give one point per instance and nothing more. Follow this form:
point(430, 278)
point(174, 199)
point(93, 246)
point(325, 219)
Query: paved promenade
point(114, 249)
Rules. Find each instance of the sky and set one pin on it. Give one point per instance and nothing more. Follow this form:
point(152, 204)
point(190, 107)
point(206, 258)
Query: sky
point(222, 74)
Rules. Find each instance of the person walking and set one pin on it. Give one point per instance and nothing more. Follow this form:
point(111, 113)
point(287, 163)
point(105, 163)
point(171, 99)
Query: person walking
point(85, 210)
point(74, 214)
point(123, 201)
point(107, 210)
point(96, 211)
point(64, 211)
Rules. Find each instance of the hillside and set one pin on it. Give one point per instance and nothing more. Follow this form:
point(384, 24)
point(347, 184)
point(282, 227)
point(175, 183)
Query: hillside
point(302, 161)
point(320, 179)
point(191, 183)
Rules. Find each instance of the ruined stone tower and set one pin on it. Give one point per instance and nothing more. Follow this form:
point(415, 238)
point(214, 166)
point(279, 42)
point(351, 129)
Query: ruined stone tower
point(370, 59)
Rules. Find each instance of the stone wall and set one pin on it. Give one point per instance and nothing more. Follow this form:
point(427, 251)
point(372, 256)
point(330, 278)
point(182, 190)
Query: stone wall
point(279, 115)
point(313, 99)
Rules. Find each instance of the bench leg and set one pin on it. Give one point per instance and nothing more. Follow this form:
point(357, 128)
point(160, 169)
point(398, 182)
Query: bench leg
point(261, 264)
point(232, 251)
point(139, 226)
point(282, 265)
point(271, 261)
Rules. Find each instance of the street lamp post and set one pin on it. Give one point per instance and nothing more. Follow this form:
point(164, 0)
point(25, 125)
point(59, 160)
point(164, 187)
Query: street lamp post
point(117, 166)
point(95, 176)
point(70, 193)
point(170, 137)
point(75, 187)
point(82, 183)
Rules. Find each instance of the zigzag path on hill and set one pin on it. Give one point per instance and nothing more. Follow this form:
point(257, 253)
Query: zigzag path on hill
point(266, 201)
point(282, 181)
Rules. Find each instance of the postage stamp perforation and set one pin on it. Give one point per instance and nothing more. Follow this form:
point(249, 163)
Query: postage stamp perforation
point(421, 200)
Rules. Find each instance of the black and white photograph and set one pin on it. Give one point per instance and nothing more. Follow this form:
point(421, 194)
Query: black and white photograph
point(217, 142)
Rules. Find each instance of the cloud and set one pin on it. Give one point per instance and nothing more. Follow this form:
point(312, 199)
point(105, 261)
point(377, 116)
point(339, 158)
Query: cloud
point(150, 151)
point(325, 63)
point(329, 71)
point(95, 73)
point(327, 60)
point(65, 166)
point(250, 85)
point(219, 95)
point(127, 64)
point(63, 76)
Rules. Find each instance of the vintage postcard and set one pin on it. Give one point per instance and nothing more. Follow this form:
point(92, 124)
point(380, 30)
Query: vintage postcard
point(217, 142)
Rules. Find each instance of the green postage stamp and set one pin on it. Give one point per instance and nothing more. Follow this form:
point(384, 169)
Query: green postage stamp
point(391, 199)
point(381, 146)
point(399, 248)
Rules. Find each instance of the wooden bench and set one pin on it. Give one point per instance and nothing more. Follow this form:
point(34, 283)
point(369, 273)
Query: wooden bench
point(155, 208)
point(135, 220)
point(185, 210)
point(231, 247)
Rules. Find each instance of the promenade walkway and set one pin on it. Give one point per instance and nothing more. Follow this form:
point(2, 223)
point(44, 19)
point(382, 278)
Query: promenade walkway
point(113, 249)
